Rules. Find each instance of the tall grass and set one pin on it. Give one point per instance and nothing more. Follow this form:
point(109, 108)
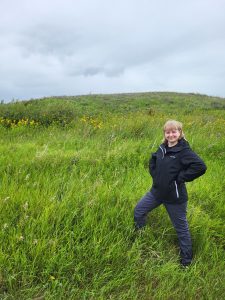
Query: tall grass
point(68, 191)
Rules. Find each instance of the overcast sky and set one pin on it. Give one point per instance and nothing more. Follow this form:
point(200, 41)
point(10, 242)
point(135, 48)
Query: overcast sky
point(73, 47)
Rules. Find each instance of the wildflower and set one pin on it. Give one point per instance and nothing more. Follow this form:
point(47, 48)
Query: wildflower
point(52, 242)
point(53, 198)
point(83, 119)
point(99, 125)
point(5, 226)
point(25, 206)
point(27, 176)
point(6, 199)
point(21, 238)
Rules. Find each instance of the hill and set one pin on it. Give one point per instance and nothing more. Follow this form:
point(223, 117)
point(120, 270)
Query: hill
point(72, 171)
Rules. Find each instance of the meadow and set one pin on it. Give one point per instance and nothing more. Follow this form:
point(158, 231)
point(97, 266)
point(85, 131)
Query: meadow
point(72, 171)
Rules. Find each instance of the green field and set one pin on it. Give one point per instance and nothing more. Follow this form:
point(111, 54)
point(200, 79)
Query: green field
point(72, 171)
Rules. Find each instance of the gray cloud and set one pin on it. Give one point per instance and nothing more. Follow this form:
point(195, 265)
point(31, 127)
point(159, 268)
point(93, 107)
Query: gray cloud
point(76, 47)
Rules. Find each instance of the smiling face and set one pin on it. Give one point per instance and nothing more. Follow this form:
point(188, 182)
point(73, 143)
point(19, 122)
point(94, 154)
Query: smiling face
point(172, 135)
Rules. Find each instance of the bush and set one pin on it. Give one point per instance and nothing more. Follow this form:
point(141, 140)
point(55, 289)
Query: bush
point(33, 112)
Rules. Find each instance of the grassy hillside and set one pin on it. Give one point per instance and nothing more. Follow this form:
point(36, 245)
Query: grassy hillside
point(72, 171)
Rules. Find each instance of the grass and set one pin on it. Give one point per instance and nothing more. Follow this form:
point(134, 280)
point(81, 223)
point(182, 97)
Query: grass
point(68, 190)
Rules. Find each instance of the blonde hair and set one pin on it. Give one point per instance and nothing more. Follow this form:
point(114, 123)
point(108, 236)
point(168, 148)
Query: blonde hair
point(173, 124)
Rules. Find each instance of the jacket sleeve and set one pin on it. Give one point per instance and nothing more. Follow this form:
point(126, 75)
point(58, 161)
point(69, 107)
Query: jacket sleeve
point(152, 164)
point(193, 166)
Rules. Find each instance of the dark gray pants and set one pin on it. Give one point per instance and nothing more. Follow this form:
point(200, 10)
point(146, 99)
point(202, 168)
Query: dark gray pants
point(177, 214)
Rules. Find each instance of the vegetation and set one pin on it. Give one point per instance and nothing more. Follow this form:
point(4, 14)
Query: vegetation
point(72, 171)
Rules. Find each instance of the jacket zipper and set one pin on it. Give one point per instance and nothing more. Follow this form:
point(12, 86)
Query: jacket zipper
point(176, 189)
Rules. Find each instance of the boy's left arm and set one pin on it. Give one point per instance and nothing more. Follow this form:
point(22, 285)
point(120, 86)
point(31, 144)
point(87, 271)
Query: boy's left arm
point(193, 167)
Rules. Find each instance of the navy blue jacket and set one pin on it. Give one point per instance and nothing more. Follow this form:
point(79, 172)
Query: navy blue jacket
point(170, 168)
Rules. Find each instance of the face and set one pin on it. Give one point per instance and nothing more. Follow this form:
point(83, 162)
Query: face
point(172, 136)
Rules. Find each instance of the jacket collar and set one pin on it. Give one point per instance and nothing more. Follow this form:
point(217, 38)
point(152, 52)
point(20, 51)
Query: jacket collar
point(182, 144)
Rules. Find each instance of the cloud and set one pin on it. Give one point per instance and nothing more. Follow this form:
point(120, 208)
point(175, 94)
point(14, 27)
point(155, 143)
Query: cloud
point(76, 47)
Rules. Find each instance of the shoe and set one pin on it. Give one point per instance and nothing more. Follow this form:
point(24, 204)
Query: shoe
point(137, 234)
point(185, 266)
